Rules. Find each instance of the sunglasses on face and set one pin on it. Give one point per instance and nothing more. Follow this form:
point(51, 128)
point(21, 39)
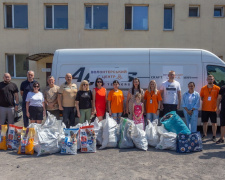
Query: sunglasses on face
point(85, 84)
point(36, 86)
point(99, 81)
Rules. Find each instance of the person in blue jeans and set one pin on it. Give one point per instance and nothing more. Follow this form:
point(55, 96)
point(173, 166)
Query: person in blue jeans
point(191, 104)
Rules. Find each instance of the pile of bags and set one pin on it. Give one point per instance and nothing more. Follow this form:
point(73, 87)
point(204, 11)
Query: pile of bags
point(19, 138)
point(53, 136)
point(173, 135)
point(124, 135)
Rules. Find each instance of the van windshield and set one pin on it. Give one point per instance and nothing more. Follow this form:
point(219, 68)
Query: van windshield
point(219, 74)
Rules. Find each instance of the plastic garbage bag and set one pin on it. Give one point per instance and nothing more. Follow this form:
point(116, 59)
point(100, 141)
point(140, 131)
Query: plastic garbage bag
point(49, 136)
point(167, 139)
point(125, 129)
point(88, 139)
point(139, 138)
point(98, 127)
point(109, 133)
point(99, 138)
point(151, 133)
point(69, 143)
point(173, 123)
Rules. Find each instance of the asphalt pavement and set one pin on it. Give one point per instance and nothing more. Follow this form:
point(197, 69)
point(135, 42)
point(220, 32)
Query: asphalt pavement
point(118, 164)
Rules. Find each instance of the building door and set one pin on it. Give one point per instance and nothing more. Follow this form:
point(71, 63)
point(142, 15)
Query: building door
point(48, 72)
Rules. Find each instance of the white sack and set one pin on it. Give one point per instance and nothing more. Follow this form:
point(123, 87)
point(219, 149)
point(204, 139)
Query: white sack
point(151, 133)
point(98, 127)
point(167, 139)
point(48, 137)
point(139, 138)
point(109, 133)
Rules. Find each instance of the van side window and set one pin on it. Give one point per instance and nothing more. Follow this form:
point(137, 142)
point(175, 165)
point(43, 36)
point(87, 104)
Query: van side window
point(219, 74)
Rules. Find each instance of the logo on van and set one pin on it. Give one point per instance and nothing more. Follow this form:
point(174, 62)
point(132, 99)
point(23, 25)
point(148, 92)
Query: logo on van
point(80, 75)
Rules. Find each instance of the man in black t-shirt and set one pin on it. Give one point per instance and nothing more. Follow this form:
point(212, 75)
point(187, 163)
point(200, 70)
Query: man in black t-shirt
point(8, 96)
point(25, 87)
point(221, 100)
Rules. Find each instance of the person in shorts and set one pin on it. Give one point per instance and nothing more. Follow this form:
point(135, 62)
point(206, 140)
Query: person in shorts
point(221, 112)
point(51, 97)
point(25, 87)
point(209, 94)
point(35, 105)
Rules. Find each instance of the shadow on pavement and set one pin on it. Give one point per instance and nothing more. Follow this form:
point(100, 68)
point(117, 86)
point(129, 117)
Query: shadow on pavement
point(209, 155)
point(14, 153)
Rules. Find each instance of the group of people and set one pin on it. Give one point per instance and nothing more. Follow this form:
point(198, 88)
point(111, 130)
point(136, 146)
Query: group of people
point(70, 100)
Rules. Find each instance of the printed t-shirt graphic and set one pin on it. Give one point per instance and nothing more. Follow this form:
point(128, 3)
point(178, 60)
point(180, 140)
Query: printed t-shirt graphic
point(170, 90)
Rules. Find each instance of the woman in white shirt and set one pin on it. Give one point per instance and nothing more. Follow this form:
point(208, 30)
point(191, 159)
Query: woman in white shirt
point(35, 105)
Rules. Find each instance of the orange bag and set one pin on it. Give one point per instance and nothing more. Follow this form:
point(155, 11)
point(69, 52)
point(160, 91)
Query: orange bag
point(3, 130)
point(27, 141)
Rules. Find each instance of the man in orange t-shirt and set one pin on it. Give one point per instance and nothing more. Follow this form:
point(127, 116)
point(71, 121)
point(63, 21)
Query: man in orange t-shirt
point(209, 94)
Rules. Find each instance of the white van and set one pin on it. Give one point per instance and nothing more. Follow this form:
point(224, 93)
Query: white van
point(124, 64)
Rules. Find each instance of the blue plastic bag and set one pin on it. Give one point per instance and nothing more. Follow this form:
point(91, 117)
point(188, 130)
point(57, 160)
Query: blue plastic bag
point(189, 143)
point(173, 123)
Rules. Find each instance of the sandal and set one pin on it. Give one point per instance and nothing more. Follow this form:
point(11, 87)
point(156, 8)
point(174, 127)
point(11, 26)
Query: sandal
point(203, 137)
point(220, 141)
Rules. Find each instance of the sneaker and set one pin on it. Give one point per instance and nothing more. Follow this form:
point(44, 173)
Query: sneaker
point(220, 141)
point(214, 138)
point(203, 137)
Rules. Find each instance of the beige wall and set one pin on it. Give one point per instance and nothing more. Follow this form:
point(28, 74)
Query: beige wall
point(205, 32)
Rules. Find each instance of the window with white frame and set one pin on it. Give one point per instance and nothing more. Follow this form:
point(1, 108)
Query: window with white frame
point(218, 11)
point(16, 16)
point(17, 65)
point(96, 16)
point(168, 18)
point(136, 17)
point(194, 11)
point(56, 16)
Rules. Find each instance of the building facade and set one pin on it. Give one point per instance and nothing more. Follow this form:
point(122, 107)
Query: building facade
point(31, 30)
